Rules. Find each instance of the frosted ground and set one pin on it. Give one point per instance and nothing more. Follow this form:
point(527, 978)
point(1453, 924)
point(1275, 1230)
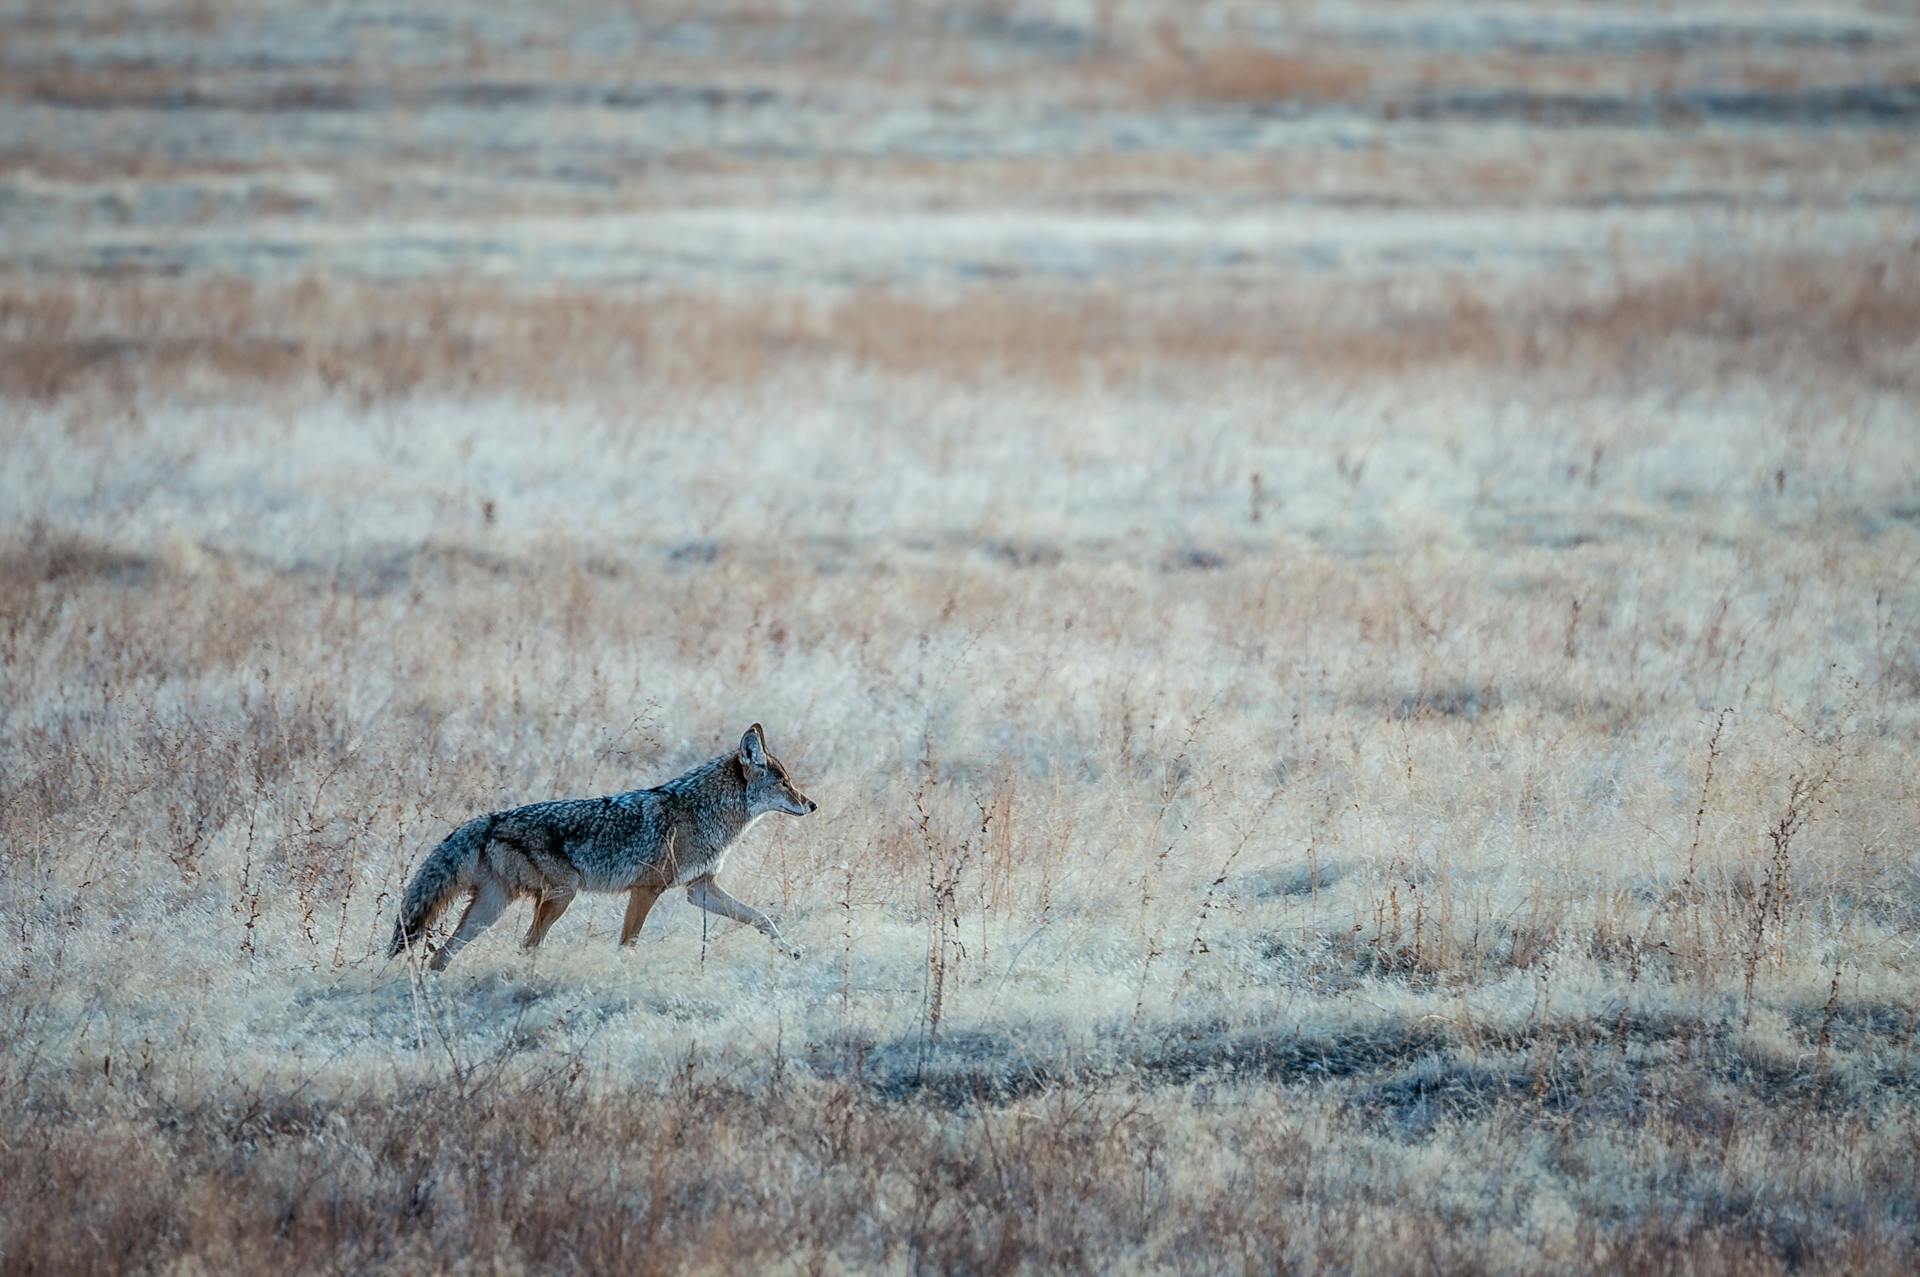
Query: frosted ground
point(1346, 582)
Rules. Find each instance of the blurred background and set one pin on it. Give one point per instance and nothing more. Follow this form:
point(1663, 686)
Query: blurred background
point(562, 198)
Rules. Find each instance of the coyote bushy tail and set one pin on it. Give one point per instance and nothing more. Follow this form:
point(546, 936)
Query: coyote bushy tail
point(441, 875)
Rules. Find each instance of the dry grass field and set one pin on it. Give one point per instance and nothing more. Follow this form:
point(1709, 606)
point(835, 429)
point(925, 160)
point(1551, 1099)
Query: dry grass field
point(1346, 578)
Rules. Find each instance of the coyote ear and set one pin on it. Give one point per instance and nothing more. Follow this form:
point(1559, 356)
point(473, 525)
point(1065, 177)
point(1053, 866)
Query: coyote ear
point(753, 746)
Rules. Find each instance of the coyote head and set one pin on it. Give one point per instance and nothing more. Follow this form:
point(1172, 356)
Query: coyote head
point(769, 788)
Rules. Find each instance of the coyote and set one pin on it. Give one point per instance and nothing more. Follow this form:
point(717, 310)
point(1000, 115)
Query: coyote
point(642, 842)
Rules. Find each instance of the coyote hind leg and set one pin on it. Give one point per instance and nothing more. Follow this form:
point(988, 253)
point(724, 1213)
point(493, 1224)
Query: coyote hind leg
point(546, 912)
point(639, 904)
point(488, 903)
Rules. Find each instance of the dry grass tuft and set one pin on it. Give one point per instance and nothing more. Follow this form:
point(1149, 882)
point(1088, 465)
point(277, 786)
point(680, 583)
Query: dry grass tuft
point(1244, 75)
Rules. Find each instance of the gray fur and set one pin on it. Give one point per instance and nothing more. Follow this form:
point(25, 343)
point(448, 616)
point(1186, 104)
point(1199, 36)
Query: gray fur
point(644, 842)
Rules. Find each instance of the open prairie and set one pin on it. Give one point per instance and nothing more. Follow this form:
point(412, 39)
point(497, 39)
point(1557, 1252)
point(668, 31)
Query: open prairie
point(1346, 578)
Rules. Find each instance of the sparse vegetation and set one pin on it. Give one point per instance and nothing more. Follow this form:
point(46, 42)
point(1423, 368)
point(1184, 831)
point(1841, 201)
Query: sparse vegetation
point(1361, 668)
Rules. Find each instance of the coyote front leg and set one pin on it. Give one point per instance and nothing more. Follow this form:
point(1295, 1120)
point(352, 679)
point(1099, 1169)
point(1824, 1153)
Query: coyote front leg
point(706, 893)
